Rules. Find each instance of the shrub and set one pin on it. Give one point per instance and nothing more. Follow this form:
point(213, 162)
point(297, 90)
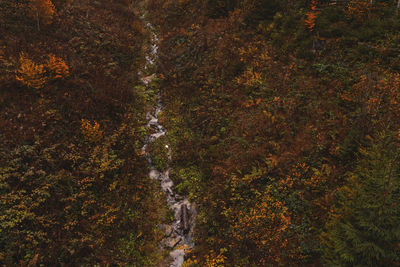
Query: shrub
point(57, 67)
point(91, 132)
point(31, 74)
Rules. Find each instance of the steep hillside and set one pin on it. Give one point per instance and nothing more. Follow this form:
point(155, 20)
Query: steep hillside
point(74, 186)
point(278, 113)
point(281, 119)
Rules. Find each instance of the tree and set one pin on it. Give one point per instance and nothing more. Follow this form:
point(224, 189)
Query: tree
point(260, 10)
point(364, 228)
point(42, 10)
point(220, 8)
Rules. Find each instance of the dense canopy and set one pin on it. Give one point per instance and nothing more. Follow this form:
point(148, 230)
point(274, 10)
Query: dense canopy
point(282, 120)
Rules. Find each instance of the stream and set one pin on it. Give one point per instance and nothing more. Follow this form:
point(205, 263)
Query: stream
point(178, 233)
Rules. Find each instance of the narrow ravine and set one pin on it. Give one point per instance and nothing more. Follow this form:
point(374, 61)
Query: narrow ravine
point(179, 233)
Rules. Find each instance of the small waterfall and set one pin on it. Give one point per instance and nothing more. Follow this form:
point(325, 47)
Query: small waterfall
point(179, 233)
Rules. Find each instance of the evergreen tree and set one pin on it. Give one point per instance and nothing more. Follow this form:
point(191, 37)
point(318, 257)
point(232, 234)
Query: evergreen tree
point(364, 229)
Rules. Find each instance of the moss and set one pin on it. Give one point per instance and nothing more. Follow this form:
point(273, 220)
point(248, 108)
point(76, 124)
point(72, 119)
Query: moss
point(188, 181)
point(159, 153)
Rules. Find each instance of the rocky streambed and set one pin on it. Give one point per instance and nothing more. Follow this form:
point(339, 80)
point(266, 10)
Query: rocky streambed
point(178, 233)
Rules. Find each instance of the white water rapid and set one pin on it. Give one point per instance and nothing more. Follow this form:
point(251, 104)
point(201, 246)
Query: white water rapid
point(179, 233)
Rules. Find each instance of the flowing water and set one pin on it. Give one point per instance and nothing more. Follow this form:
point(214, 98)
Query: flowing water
point(179, 233)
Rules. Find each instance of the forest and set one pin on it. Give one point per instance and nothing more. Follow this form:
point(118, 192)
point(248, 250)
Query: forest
point(282, 127)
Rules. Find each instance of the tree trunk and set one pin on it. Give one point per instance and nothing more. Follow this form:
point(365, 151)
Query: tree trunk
point(398, 6)
point(370, 7)
point(184, 218)
point(37, 21)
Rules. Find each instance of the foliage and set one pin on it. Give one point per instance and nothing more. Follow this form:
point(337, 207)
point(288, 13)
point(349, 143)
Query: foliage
point(263, 227)
point(311, 16)
point(274, 111)
point(358, 9)
point(190, 180)
point(91, 132)
point(57, 67)
point(74, 192)
point(363, 228)
point(42, 10)
point(31, 74)
point(159, 151)
point(71, 213)
point(267, 105)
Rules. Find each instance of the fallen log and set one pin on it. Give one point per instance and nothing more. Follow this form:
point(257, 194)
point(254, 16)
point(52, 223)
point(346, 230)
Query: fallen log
point(184, 218)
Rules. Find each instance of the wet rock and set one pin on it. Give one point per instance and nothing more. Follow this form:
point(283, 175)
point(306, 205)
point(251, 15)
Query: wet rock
point(172, 241)
point(156, 136)
point(180, 231)
point(178, 198)
point(167, 229)
point(148, 79)
point(154, 174)
point(167, 184)
point(178, 257)
point(169, 191)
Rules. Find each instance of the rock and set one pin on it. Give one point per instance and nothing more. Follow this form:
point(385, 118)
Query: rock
point(154, 174)
point(178, 198)
point(167, 183)
point(167, 229)
point(178, 256)
point(172, 241)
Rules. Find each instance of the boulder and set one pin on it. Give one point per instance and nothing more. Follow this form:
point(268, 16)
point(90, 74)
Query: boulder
point(167, 229)
point(172, 241)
